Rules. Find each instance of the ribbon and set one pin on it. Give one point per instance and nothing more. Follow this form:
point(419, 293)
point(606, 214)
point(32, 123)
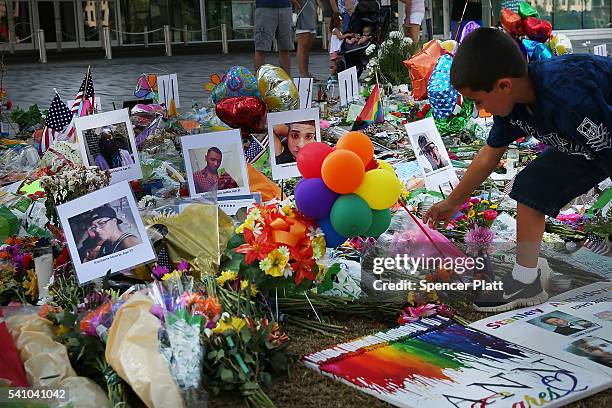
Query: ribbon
point(288, 232)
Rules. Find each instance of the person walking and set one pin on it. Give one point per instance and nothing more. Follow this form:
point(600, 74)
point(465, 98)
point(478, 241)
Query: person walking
point(273, 20)
point(414, 15)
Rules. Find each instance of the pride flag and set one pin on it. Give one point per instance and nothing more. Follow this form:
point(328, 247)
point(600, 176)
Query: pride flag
point(372, 111)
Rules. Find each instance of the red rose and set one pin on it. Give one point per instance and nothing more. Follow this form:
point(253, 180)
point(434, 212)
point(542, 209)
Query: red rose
point(490, 215)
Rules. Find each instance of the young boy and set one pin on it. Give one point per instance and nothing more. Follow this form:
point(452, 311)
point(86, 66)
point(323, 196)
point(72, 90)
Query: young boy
point(565, 102)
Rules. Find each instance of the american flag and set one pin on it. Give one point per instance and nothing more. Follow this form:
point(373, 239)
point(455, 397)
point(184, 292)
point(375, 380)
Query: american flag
point(508, 186)
point(86, 94)
point(596, 244)
point(56, 124)
point(255, 150)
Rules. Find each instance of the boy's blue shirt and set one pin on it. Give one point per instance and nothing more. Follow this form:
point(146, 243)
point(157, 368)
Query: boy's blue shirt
point(573, 108)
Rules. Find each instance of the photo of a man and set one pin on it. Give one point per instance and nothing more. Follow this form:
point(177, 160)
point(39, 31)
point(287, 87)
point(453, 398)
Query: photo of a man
point(289, 138)
point(212, 176)
point(104, 234)
point(431, 152)
point(563, 323)
point(113, 151)
point(594, 348)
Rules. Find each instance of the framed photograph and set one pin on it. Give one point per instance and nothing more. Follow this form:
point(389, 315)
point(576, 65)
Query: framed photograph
point(215, 162)
point(431, 153)
point(104, 232)
point(107, 141)
point(288, 132)
point(167, 88)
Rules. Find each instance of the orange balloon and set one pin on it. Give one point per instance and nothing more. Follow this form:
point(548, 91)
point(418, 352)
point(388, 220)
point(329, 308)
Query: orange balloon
point(358, 143)
point(342, 171)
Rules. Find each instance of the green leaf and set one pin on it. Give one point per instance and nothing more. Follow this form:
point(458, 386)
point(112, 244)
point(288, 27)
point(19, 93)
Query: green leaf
point(245, 334)
point(227, 375)
point(248, 359)
point(211, 355)
point(220, 354)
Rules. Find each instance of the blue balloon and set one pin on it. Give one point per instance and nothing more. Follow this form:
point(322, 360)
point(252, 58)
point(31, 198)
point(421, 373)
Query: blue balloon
point(332, 238)
point(536, 51)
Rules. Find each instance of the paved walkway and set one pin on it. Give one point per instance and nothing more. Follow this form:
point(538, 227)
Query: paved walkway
point(115, 80)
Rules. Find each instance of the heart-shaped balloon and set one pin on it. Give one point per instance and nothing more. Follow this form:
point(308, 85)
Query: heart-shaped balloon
point(527, 10)
point(512, 23)
point(238, 81)
point(246, 113)
point(277, 89)
point(467, 30)
point(537, 30)
point(560, 44)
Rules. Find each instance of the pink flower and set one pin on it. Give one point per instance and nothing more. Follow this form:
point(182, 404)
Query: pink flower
point(182, 266)
point(159, 271)
point(412, 314)
point(445, 310)
point(490, 215)
point(479, 238)
point(464, 206)
point(474, 200)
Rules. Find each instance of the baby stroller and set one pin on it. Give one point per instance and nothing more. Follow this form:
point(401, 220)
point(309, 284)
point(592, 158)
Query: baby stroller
point(367, 13)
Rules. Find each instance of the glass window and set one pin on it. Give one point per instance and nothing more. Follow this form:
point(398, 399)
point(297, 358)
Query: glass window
point(568, 14)
point(68, 21)
point(597, 14)
point(4, 32)
point(46, 20)
point(21, 19)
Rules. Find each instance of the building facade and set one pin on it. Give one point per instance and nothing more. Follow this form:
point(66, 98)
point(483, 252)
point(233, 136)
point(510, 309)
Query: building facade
point(80, 24)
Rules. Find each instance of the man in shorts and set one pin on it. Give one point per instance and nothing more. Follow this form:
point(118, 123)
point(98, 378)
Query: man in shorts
point(305, 32)
point(273, 20)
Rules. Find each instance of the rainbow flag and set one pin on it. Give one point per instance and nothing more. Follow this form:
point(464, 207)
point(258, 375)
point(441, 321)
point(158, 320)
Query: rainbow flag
point(372, 111)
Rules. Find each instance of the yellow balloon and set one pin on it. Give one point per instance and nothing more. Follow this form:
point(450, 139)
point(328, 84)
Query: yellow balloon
point(385, 166)
point(450, 46)
point(380, 189)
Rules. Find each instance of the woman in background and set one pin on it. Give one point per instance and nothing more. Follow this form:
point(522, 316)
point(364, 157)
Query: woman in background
point(414, 15)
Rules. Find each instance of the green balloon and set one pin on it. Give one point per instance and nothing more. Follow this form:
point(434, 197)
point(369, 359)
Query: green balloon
point(527, 10)
point(350, 215)
point(381, 219)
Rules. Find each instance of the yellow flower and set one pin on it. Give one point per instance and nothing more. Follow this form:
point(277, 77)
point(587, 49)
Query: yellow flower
point(287, 210)
point(471, 204)
point(234, 323)
point(481, 213)
point(244, 284)
point(493, 206)
point(61, 330)
point(172, 275)
point(225, 277)
point(318, 247)
point(484, 202)
point(31, 285)
point(471, 213)
point(275, 262)
point(249, 223)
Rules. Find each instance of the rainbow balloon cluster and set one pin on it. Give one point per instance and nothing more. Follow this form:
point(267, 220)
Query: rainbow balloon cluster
point(346, 189)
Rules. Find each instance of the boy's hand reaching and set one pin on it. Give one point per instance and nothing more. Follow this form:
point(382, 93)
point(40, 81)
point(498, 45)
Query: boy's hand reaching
point(441, 212)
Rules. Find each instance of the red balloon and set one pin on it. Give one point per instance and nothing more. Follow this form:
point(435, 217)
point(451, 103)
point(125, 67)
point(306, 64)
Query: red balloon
point(310, 159)
point(512, 22)
point(246, 113)
point(537, 30)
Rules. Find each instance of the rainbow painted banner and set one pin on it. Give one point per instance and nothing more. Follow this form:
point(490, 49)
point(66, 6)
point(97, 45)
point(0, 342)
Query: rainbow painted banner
point(437, 362)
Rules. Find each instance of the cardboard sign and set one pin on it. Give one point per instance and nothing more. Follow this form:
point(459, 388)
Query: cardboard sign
point(348, 84)
point(167, 87)
point(304, 86)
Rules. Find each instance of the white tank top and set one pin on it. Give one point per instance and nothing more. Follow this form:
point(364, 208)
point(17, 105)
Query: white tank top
point(334, 44)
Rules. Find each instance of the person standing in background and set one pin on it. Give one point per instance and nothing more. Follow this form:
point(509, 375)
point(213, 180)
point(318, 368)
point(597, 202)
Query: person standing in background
point(414, 15)
point(473, 12)
point(273, 20)
point(346, 8)
point(306, 30)
point(329, 7)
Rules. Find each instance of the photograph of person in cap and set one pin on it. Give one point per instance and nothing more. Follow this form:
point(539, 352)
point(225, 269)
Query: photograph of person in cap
point(113, 150)
point(431, 152)
point(105, 235)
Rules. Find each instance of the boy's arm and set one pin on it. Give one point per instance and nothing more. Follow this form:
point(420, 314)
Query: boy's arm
point(483, 164)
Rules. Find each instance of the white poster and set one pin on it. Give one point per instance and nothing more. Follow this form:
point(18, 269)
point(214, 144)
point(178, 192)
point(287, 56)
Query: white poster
point(348, 85)
point(304, 86)
point(167, 88)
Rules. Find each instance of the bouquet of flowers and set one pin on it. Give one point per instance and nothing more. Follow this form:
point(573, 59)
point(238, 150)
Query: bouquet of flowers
point(71, 183)
point(276, 247)
point(386, 60)
point(474, 223)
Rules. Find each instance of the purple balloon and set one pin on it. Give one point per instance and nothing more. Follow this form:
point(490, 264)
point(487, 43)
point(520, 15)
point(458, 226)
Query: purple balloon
point(467, 29)
point(313, 198)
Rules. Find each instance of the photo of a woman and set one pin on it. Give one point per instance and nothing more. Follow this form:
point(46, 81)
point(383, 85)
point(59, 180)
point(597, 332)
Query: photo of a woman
point(111, 152)
point(289, 138)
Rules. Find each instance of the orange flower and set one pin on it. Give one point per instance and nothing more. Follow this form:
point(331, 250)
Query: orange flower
point(209, 307)
point(46, 309)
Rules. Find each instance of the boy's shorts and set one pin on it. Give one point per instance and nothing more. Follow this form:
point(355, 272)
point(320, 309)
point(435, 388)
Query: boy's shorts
point(273, 23)
point(553, 179)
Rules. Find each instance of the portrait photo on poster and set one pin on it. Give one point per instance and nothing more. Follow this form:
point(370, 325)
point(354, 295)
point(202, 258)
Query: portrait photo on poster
point(430, 152)
point(563, 323)
point(215, 162)
point(106, 140)
point(104, 232)
point(594, 348)
point(288, 132)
